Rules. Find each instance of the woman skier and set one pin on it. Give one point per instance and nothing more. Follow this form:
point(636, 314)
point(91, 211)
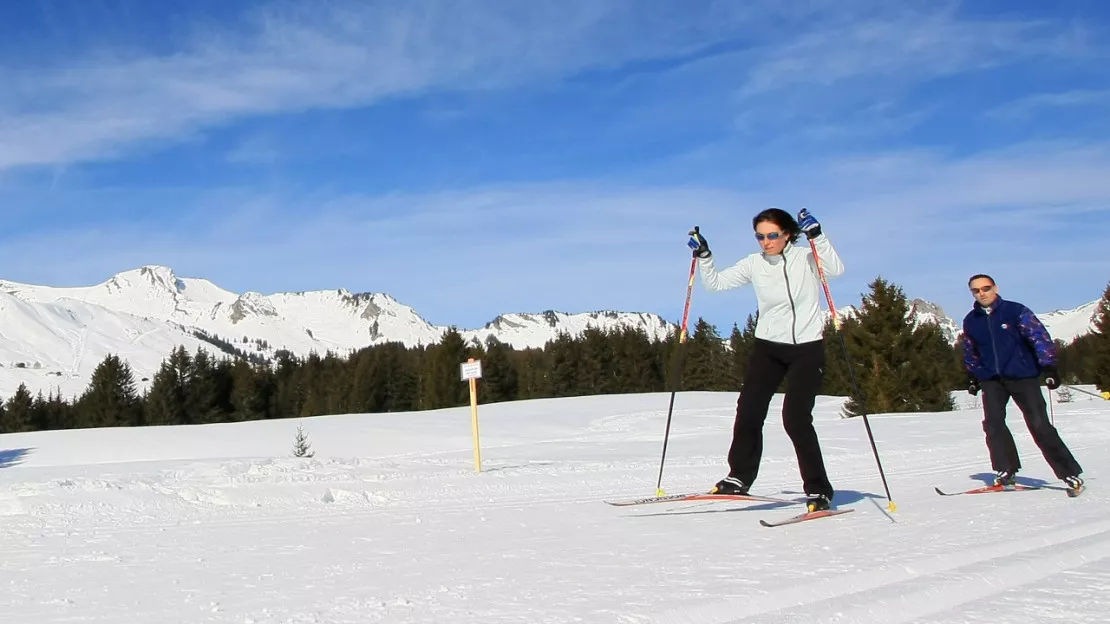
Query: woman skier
point(789, 344)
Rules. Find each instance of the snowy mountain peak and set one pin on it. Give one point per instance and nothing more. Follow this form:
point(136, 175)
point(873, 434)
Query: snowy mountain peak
point(251, 304)
point(922, 311)
point(157, 276)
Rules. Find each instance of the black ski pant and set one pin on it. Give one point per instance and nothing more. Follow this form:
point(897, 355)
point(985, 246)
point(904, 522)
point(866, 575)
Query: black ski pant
point(1000, 442)
point(769, 363)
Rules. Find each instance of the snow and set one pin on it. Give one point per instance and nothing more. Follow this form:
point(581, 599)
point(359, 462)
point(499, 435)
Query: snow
point(389, 522)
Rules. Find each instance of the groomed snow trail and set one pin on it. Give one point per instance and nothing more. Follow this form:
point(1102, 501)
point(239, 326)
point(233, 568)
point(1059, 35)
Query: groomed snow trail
point(389, 522)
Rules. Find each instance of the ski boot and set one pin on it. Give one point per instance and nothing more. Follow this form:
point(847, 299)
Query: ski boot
point(817, 502)
point(1075, 485)
point(1005, 479)
point(730, 486)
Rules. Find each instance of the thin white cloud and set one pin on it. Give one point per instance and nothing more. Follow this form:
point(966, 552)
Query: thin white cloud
point(902, 46)
point(845, 76)
point(1025, 107)
point(292, 58)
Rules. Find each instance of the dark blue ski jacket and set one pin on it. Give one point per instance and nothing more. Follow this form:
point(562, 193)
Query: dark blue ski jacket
point(1007, 341)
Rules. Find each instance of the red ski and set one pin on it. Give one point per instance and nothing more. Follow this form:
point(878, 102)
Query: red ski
point(802, 517)
point(697, 497)
point(990, 488)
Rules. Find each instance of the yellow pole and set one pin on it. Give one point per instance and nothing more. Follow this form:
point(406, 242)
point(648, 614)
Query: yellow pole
point(474, 421)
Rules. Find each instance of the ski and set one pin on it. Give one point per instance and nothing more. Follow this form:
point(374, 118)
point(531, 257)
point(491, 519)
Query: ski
point(1072, 493)
point(698, 497)
point(990, 488)
point(803, 517)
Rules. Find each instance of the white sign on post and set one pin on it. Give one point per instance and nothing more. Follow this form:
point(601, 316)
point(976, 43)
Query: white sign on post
point(470, 370)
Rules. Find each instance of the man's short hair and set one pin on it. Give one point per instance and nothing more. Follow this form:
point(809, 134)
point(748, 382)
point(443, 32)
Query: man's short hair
point(980, 276)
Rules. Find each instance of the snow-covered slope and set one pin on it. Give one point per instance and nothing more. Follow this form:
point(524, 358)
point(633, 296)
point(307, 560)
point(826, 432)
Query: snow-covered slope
point(55, 346)
point(154, 302)
point(218, 524)
point(1068, 325)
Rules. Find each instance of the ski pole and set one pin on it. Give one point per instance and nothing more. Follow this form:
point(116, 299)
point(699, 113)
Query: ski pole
point(851, 373)
point(1051, 410)
point(677, 372)
point(1104, 395)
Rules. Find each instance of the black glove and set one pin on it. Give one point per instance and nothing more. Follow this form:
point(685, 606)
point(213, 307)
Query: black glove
point(972, 385)
point(1051, 378)
point(698, 244)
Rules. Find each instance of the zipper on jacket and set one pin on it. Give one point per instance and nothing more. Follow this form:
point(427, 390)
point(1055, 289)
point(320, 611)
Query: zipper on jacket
point(793, 312)
point(994, 347)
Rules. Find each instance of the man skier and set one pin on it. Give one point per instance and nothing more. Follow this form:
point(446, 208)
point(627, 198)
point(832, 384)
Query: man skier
point(1006, 350)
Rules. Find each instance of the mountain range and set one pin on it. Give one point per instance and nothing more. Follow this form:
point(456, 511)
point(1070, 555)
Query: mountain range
point(52, 338)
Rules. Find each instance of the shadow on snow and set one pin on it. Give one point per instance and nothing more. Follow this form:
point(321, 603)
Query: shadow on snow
point(11, 457)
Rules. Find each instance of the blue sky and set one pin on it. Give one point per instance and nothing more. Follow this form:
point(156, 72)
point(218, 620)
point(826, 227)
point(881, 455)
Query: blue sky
point(474, 158)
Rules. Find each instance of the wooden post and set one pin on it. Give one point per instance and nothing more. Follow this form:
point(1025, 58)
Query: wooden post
point(471, 371)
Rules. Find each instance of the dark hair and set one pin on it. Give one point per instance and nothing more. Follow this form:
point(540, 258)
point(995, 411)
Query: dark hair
point(980, 276)
point(780, 218)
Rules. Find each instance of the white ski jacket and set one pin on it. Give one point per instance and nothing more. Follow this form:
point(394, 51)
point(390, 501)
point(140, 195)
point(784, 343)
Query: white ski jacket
point(787, 288)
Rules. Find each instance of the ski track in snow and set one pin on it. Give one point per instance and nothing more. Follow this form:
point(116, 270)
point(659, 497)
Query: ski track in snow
point(389, 523)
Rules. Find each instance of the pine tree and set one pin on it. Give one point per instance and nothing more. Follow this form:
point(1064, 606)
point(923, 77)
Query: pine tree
point(899, 368)
point(249, 392)
point(331, 384)
point(208, 390)
point(301, 445)
point(16, 414)
point(740, 345)
point(673, 353)
point(707, 366)
point(837, 378)
point(289, 390)
point(931, 371)
point(51, 412)
point(1080, 356)
point(315, 398)
point(402, 383)
point(639, 362)
point(40, 413)
point(597, 364)
point(564, 357)
point(1100, 345)
point(958, 366)
point(368, 388)
point(166, 398)
point(111, 399)
point(533, 373)
point(442, 385)
point(500, 382)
